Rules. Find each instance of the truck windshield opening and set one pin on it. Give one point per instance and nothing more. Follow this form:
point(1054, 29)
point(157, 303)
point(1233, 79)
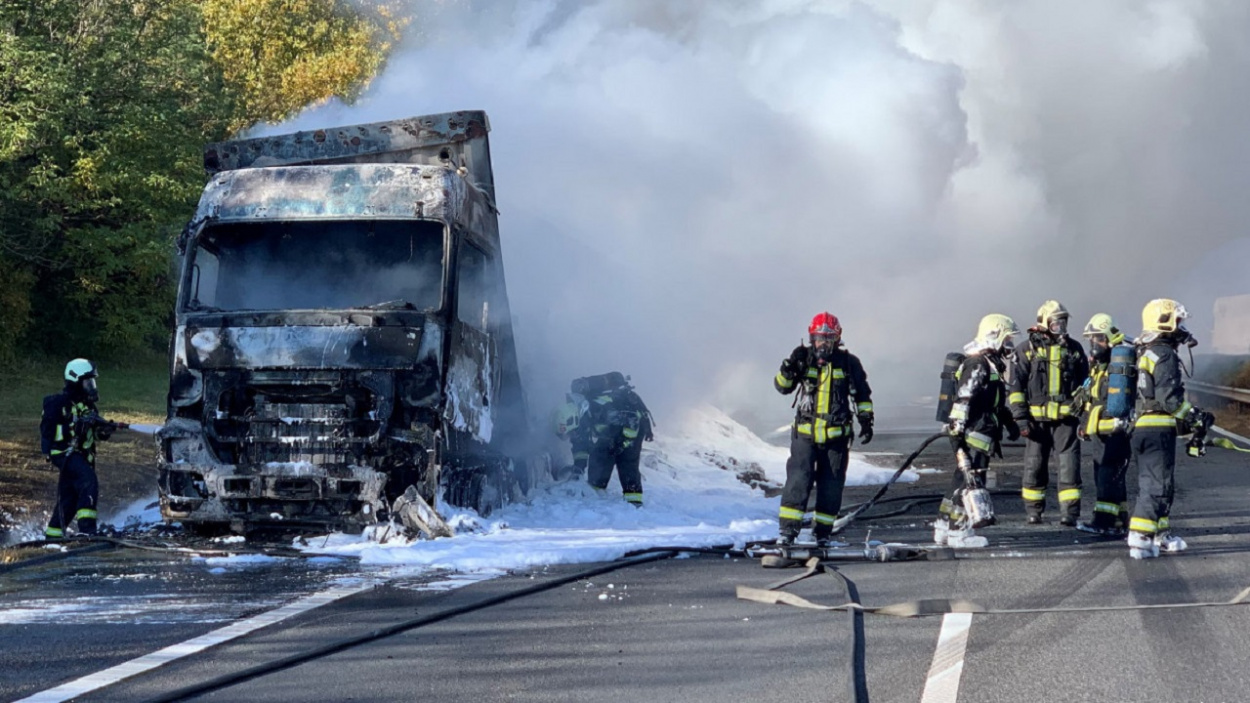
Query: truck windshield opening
point(302, 265)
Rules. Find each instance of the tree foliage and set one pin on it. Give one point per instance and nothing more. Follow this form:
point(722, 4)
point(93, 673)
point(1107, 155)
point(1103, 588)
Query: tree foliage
point(104, 108)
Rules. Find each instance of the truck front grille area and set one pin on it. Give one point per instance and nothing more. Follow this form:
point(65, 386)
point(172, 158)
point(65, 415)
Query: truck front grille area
point(326, 426)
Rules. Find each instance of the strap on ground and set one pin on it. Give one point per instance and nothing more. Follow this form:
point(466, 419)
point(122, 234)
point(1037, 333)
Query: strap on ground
point(773, 594)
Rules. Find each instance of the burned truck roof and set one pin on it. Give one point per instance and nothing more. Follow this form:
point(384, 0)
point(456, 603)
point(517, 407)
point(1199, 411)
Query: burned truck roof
point(450, 138)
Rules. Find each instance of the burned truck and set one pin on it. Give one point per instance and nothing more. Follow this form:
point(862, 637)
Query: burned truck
point(343, 332)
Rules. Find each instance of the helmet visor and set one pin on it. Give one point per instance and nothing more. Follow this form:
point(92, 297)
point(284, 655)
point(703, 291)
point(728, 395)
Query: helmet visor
point(1058, 325)
point(822, 340)
point(89, 388)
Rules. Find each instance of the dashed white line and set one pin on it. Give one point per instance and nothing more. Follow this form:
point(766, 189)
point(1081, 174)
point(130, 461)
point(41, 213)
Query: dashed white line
point(942, 685)
point(147, 662)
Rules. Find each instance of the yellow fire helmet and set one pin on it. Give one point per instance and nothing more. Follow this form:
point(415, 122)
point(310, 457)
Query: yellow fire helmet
point(1162, 315)
point(1051, 309)
point(1104, 325)
point(995, 330)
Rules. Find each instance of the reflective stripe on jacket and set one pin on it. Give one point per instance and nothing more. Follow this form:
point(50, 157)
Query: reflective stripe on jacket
point(824, 410)
point(1045, 376)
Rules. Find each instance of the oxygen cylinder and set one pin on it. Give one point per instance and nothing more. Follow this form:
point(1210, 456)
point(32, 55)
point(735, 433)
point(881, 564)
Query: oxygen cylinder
point(950, 386)
point(1121, 382)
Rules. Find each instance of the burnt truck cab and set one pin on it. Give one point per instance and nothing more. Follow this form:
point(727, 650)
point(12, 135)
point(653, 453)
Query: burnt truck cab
point(343, 333)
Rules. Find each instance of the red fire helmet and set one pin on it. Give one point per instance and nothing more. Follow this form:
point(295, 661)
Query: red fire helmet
point(825, 324)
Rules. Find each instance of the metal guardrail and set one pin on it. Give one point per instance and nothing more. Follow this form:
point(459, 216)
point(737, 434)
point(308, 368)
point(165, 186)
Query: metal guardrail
point(1241, 395)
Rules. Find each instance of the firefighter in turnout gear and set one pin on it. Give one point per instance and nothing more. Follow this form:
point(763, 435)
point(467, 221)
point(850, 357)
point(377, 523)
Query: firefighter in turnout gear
point(619, 423)
point(1046, 374)
point(1162, 413)
point(978, 420)
point(1111, 433)
point(832, 388)
point(69, 430)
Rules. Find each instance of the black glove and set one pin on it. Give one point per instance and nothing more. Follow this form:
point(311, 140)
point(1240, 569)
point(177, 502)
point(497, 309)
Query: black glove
point(1031, 429)
point(796, 363)
point(865, 428)
point(1013, 431)
point(103, 433)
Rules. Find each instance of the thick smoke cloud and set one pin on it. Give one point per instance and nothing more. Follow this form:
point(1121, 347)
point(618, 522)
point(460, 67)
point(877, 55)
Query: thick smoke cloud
point(684, 184)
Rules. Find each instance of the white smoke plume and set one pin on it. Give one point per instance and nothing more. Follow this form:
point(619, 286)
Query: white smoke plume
point(683, 184)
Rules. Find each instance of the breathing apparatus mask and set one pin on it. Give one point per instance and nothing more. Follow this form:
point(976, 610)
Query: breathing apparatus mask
point(1058, 326)
point(1099, 348)
point(824, 345)
point(89, 389)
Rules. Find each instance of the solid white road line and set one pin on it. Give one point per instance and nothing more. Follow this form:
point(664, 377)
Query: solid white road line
point(942, 685)
point(100, 679)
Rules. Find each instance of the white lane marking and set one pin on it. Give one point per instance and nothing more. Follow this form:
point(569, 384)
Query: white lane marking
point(942, 685)
point(147, 662)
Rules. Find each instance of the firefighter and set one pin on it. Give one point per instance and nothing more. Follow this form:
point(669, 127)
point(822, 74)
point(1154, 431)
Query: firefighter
point(1111, 501)
point(69, 432)
point(978, 419)
point(1162, 413)
point(832, 388)
point(1049, 369)
point(619, 423)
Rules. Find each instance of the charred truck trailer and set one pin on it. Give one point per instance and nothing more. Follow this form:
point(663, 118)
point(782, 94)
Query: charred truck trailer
point(343, 332)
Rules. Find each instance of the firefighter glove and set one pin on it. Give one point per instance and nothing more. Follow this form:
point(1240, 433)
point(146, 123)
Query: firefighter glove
point(865, 428)
point(956, 427)
point(1013, 431)
point(798, 360)
point(1031, 429)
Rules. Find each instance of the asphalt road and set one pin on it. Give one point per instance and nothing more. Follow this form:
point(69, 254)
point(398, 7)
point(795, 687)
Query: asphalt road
point(674, 631)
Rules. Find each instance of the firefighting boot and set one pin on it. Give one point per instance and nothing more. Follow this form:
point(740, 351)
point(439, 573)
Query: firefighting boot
point(1142, 546)
point(786, 539)
point(941, 531)
point(1170, 542)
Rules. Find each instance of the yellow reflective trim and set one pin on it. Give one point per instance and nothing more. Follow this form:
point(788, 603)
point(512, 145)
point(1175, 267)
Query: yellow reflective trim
point(1069, 495)
point(804, 429)
point(1141, 524)
point(863, 407)
point(790, 513)
point(783, 381)
point(839, 373)
point(1102, 507)
point(1147, 362)
point(60, 433)
point(1106, 426)
point(633, 497)
point(581, 455)
point(824, 518)
point(85, 513)
point(1155, 420)
point(959, 411)
point(1053, 376)
point(1183, 410)
point(1093, 424)
point(1015, 397)
point(53, 532)
point(1032, 494)
point(976, 440)
point(57, 452)
point(1164, 524)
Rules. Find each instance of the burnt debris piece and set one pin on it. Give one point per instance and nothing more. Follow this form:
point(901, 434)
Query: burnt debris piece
point(343, 332)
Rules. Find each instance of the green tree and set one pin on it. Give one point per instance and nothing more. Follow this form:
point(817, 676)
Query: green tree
point(104, 108)
point(279, 56)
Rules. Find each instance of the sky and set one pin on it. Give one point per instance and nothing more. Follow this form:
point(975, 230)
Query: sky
point(683, 185)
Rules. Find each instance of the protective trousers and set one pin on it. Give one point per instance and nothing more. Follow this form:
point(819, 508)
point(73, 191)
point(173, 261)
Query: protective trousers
point(1155, 453)
point(1109, 470)
point(606, 455)
point(77, 491)
point(810, 463)
point(952, 506)
point(1052, 438)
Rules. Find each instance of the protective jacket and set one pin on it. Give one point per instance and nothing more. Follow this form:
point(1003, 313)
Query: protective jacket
point(65, 428)
point(826, 392)
point(619, 418)
point(1045, 376)
point(1160, 391)
point(979, 404)
point(1095, 423)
